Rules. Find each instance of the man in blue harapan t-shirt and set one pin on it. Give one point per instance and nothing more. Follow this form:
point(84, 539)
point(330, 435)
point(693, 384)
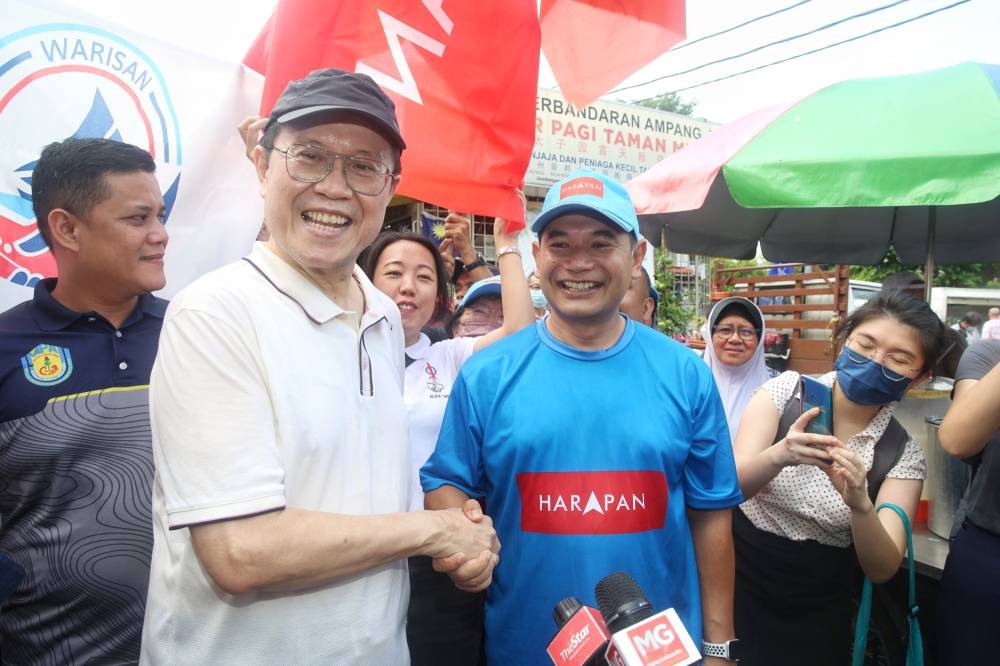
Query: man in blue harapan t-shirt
point(76, 463)
point(597, 444)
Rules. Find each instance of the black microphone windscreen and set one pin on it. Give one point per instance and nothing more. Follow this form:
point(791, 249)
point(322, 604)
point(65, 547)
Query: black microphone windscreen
point(621, 601)
point(564, 610)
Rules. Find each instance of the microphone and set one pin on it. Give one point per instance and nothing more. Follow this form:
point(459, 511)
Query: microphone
point(640, 636)
point(582, 637)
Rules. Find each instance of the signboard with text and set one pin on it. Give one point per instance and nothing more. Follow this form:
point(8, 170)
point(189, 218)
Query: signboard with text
point(619, 140)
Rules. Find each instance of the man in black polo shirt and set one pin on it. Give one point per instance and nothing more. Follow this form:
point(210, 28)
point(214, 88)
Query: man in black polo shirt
point(76, 465)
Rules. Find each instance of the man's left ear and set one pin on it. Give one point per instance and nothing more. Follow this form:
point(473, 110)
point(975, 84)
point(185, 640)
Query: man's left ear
point(648, 304)
point(638, 254)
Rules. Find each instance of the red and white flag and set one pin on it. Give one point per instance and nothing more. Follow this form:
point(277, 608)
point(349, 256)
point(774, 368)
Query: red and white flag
point(463, 75)
point(593, 45)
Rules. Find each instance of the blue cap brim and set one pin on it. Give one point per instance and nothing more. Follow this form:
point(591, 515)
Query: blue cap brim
point(571, 207)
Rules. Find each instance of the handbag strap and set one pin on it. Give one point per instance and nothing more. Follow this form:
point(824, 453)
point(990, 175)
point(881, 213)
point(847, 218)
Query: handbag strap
point(915, 652)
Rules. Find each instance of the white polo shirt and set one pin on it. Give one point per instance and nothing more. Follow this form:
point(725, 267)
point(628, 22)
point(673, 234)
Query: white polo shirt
point(428, 384)
point(266, 394)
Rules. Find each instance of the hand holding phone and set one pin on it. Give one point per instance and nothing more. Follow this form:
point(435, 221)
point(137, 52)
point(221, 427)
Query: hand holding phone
point(816, 394)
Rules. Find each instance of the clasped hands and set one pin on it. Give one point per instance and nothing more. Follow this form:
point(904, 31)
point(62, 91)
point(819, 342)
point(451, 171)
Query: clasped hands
point(471, 551)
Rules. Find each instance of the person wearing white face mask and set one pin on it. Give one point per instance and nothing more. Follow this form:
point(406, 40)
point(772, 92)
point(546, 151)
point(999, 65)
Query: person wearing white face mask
point(538, 300)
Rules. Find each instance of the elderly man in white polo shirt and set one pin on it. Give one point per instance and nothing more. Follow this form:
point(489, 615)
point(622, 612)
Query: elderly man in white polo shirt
point(279, 433)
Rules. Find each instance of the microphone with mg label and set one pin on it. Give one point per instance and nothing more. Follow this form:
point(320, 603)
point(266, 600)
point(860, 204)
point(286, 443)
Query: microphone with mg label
point(639, 636)
point(582, 637)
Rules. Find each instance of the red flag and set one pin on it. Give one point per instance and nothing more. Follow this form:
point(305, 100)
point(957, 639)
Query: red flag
point(463, 75)
point(593, 45)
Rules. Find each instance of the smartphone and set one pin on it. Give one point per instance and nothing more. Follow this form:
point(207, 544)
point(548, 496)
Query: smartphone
point(816, 394)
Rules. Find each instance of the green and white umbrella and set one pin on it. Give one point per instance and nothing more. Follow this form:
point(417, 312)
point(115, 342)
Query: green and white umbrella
point(910, 162)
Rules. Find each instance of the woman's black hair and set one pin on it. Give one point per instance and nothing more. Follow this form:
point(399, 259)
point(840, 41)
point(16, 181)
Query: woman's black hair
point(741, 307)
point(369, 262)
point(906, 309)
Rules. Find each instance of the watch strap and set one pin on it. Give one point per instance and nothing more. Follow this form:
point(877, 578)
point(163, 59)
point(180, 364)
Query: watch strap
point(725, 650)
point(480, 262)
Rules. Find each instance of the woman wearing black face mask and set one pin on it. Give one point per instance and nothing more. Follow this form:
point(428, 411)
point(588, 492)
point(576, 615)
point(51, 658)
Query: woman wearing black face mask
point(808, 521)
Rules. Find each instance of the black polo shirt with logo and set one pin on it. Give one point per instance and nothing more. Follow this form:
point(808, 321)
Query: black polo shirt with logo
point(76, 473)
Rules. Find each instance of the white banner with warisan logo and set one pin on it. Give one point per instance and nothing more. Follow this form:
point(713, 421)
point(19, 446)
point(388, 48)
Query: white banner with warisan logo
point(64, 73)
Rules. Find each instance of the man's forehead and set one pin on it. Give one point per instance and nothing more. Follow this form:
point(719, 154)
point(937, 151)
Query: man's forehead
point(353, 128)
point(132, 184)
point(578, 223)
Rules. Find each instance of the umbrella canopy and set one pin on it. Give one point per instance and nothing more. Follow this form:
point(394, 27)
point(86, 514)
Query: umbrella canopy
point(910, 162)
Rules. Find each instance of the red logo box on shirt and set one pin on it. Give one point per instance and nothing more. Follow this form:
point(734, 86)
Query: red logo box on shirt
point(605, 502)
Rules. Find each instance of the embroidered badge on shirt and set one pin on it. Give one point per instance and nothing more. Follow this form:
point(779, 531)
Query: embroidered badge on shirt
point(46, 365)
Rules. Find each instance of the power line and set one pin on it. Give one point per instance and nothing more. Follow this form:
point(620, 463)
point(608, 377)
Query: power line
point(741, 25)
point(768, 45)
point(817, 50)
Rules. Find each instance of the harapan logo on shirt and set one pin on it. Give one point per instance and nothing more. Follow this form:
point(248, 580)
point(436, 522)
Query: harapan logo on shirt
point(46, 365)
point(612, 502)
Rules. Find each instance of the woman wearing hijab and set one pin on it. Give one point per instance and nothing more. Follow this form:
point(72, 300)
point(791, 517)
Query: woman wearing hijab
point(734, 352)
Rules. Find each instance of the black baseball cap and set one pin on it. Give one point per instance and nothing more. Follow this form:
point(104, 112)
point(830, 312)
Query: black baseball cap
point(332, 90)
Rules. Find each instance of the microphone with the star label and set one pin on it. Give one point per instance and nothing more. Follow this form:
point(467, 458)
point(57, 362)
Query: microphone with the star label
point(582, 637)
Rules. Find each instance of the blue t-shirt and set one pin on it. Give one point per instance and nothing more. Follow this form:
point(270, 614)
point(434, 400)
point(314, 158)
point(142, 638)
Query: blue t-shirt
point(76, 478)
point(587, 461)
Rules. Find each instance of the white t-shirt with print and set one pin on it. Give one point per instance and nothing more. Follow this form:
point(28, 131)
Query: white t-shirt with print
point(427, 385)
point(800, 502)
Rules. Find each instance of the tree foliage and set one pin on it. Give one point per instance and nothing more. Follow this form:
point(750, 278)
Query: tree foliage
point(672, 316)
point(948, 275)
point(671, 102)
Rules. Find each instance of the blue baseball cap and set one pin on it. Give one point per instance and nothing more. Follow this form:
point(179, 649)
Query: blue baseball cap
point(486, 287)
point(586, 191)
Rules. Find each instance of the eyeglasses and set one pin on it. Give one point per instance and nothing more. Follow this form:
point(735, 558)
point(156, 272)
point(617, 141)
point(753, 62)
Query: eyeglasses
point(726, 332)
point(310, 164)
point(895, 367)
point(473, 319)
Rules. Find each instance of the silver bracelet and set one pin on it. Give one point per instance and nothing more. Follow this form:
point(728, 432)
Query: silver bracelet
point(510, 249)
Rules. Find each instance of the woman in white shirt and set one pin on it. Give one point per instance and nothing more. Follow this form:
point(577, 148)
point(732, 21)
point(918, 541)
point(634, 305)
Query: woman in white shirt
point(808, 521)
point(444, 624)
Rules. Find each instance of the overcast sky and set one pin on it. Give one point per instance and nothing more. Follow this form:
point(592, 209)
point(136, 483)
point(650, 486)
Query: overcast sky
point(967, 31)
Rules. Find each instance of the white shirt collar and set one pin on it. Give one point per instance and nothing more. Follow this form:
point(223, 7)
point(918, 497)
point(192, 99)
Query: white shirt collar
point(314, 302)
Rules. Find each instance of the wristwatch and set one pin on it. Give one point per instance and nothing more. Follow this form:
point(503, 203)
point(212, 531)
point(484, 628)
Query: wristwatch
point(478, 263)
point(730, 650)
